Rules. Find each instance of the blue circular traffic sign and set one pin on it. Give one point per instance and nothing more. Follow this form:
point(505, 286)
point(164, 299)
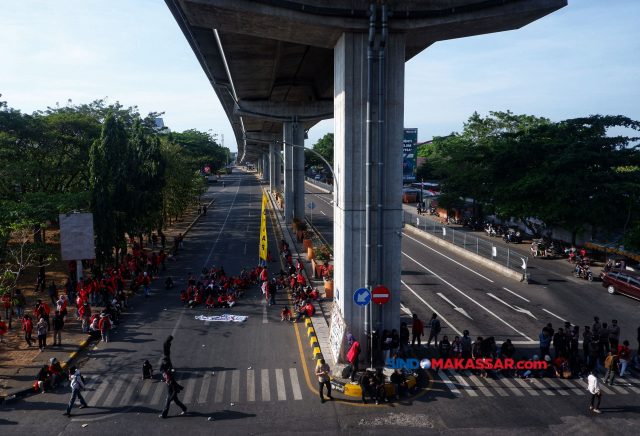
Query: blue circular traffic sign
point(362, 297)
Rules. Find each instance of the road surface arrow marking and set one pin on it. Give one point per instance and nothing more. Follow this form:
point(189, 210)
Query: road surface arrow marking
point(516, 308)
point(459, 309)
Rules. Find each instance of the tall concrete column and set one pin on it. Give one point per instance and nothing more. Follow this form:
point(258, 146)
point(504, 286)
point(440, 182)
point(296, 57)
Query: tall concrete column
point(265, 167)
point(293, 133)
point(350, 110)
point(273, 168)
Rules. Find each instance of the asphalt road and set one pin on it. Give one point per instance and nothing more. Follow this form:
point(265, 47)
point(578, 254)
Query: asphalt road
point(250, 377)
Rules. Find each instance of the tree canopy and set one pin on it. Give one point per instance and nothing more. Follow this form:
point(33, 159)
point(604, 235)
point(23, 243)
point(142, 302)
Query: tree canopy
point(570, 173)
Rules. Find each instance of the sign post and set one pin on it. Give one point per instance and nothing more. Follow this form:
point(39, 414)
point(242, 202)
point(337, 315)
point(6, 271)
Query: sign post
point(311, 206)
point(380, 295)
point(362, 297)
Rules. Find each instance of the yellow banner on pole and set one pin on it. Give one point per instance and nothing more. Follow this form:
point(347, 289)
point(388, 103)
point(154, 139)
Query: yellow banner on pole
point(263, 230)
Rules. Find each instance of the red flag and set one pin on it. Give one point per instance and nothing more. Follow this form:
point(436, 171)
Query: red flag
point(433, 193)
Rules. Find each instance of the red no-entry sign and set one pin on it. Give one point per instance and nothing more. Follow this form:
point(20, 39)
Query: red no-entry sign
point(380, 295)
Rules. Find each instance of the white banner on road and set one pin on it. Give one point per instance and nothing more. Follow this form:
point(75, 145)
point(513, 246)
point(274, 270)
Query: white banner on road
point(223, 318)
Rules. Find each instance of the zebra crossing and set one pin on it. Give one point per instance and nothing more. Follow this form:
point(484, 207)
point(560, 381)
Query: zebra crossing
point(235, 386)
point(474, 386)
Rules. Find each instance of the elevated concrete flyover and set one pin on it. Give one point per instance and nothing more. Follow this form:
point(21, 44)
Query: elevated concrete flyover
point(280, 66)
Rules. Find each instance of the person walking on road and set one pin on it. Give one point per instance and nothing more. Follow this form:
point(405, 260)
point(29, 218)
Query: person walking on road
point(272, 292)
point(146, 282)
point(58, 324)
point(417, 330)
point(612, 367)
point(53, 292)
point(594, 389)
point(166, 347)
point(623, 355)
point(104, 325)
point(322, 371)
point(172, 395)
point(435, 329)
point(42, 327)
point(77, 385)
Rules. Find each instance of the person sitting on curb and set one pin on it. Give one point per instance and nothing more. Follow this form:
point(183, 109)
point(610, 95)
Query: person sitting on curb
point(399, 381)
point(366, 383)
point(147, 370)
point(308, 310)
point(378, 379)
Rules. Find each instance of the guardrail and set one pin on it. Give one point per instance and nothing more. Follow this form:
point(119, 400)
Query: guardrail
point(319, 184)
point(501, 255)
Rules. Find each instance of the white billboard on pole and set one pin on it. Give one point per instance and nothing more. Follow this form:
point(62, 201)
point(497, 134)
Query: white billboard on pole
point(76, 236)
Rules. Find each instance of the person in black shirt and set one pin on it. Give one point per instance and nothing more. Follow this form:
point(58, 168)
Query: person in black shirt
point(172, 395)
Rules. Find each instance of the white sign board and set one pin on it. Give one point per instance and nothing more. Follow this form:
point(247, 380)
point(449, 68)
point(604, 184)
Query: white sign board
point(76, 236)
point(336, 333)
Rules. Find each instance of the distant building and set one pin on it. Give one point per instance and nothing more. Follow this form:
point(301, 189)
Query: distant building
point(160, 126)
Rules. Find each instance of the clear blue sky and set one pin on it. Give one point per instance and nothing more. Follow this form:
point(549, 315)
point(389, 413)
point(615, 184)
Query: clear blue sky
point(582, 60)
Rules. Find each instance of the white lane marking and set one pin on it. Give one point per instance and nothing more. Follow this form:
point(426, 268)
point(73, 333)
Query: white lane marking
point(525, 342)
point(555, 386)
point(405, 309)
point(222, 375)
point(245, 248)
point(476, 381)
point(542, 387)
point(282, 393)
point(516, 308)
point(156, 395)
point(247, 228)
point(459, 309)
point(323, 213)
point(496, 316)
point(114, 391)
point(527, 387)
point(222, 228)
point(204, 389)
point(264, 312)
point(463, 382)
point(251, 386)
point(572, 387)
point(191, 386)
point(235, 386)
point(449, 384)
point(553, 314)
point(432, 309)
point(143, 393)
point(447, 257)
point(493, 384)
point(510, 385)
point(132, 387)
point(266, 395)
point(295, 384)
point(517, 295)
point(100, 391)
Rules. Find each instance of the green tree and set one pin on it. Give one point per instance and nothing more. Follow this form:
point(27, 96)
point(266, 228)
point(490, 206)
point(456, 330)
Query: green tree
point(200, 149)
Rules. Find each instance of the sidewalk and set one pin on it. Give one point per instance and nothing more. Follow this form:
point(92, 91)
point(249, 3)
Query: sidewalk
point(18, 379)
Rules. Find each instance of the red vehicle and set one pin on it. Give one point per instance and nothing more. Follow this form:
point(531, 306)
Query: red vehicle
point(622, 281)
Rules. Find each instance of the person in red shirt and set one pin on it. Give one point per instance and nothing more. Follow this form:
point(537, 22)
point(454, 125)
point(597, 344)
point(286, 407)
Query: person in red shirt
point(105, 326)
point(301, 280)
point(27, 328)
point(85, 315)
point(3, 330)
point(623, 356)
point(222, 301)
point(286, 314)
point(306, 310)
point(417, 330)
point(211, 302)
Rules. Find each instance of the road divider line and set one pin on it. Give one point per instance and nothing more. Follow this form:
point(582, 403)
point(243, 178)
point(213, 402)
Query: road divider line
point(222, 375)
point(266, 393)
point(432, 309)
point(204, 389)
point(553, 314)
point(235, 386)
point(223, 224)
point(251, 385)
point(295, 384)
point(282, 393)
point(447, 257)
point(458, 290)
point(517, 295)
point(449, 384)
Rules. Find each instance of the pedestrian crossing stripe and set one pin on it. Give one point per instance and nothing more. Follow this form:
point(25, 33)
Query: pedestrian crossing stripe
point(473, 386)
point(235, 386)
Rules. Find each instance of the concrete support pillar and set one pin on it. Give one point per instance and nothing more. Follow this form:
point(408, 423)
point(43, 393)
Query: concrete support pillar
point(293, 133)
point(350, 110)
point(273, 168)
point(265, 168)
